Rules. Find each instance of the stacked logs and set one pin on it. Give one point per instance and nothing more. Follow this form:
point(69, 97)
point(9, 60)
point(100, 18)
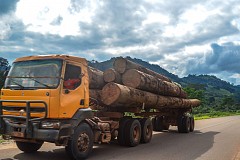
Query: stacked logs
point(131, 85)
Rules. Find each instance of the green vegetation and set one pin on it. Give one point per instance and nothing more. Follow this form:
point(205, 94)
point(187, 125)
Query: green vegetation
point(1, 140)
point(216, 102)
point(3, 67)
point(215, 114)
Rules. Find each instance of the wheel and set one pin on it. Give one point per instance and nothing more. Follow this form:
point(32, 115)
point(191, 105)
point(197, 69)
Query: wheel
point(183, 124)
point(147, 129)
point(154, 123)
point(165, 126)
point(28, 147)
point(180, 124)
point(133, 133)
point(192, 124)
point(81, 144)
point(121, 131)
point(159, 125)
point(186, 124)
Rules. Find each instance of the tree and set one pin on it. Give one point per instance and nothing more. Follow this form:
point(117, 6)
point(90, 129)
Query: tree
point(4, 66)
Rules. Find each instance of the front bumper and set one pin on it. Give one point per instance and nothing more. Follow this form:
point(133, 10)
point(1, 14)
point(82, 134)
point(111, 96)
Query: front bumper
point(18, 131)
point(28, 128)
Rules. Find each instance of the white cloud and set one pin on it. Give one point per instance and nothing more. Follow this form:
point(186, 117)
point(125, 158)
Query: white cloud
point(39, 15)
point(156, 18)
point(176, 35)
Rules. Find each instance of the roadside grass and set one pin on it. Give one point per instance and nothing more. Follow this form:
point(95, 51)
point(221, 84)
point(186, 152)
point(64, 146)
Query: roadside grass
point(1, 140)
point(214, 114)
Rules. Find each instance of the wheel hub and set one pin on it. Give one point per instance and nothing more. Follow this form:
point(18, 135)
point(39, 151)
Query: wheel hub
point(83, 142)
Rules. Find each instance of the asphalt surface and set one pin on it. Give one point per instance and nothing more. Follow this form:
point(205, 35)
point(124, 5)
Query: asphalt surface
point(213, 139)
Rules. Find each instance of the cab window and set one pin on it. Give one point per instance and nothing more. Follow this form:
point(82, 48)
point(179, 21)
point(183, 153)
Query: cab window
point(72, 78)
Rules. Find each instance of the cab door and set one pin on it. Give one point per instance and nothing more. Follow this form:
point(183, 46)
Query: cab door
point(74, 92)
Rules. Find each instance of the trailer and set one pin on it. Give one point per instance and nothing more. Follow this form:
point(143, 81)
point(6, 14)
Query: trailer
point(60, 99)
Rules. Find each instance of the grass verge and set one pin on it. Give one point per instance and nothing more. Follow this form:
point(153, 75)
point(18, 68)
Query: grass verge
point(214, 114)
point(1, 139)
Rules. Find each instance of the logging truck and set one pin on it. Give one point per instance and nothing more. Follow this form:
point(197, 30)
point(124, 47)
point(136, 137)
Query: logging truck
point(60, 99)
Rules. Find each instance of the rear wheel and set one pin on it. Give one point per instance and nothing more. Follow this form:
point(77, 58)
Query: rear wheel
point(82, 142)
point(121, 130)
point(192, 124)
point(147, 129)
point(184, 124)
point(133, 132)
point(180, 124)
point(160, 124)
point(166, 126)
point(154, 123)
point(28, 147)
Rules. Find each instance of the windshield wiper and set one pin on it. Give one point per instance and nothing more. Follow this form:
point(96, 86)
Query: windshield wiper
point(40, 83)
point(21, 86)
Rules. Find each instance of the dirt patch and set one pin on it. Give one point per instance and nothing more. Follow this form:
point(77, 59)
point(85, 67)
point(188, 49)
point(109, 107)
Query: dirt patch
point(6, 143)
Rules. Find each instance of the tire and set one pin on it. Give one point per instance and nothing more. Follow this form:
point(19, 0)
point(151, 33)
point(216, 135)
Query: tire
point(147, 129)
point(186, 124)
point(121, 131)
point(159, 124)
point(133, 133)
point(154, 123)
point(165, 126)
point(82, 142)
point(180, 124)
point(28, 147)
point(192, 124)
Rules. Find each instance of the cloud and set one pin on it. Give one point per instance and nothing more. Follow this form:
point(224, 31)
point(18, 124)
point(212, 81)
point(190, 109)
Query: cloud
point(223, 57)
point(187, 37)
point(7, 6)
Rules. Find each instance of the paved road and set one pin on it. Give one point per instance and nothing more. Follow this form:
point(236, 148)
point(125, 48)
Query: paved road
point(213, 139)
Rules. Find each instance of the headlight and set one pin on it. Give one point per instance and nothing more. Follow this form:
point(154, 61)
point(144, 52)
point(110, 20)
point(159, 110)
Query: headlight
point(50, 125)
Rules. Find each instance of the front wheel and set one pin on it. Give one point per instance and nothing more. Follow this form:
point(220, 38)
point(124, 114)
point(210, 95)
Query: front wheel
point(28, 147)
point(81, 144)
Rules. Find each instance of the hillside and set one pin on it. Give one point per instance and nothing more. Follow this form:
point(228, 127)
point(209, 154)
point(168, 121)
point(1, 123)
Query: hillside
point(215, 89)
point(200, 80)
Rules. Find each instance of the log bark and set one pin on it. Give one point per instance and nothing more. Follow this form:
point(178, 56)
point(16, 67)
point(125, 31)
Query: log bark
point(111, 75)
point(95, 99)
point(121, 65)
point(143, 81)
point(118, 95)
point(95, 78)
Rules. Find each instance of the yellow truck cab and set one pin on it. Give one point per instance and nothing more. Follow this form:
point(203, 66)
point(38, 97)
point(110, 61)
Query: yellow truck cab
point(44, 99)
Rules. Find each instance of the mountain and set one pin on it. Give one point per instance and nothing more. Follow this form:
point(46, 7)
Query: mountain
point(214, 88)
point(203, 80)
point(109, 64)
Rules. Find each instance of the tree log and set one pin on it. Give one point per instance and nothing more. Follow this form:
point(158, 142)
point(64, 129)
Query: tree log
point(143, 81)
point(111, 75)
point(95, 78)
point(118, 95)
point(121, 65)
point(95, 99)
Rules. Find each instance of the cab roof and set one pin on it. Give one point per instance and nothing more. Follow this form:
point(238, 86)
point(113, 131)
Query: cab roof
point(57, 56)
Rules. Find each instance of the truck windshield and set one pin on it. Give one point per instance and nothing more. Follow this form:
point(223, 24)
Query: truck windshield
point(34, 74)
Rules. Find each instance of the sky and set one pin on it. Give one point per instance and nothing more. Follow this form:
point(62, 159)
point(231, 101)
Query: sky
point(182, 36)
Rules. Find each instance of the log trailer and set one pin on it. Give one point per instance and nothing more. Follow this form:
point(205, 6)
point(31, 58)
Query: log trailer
point(60, 99)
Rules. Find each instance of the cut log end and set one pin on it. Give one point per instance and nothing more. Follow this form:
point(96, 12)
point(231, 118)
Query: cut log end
point(111, 75)
point(131, 78)
point(110, 93)
point(120, 65)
